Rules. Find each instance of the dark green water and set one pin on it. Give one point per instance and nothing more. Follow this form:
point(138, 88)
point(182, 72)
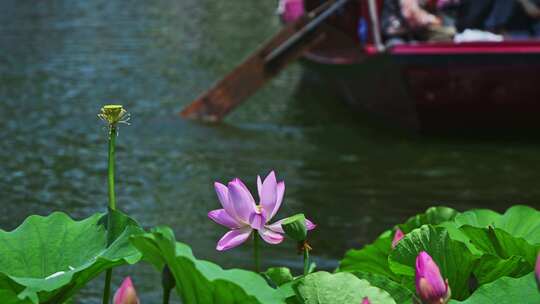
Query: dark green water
point(61, 60)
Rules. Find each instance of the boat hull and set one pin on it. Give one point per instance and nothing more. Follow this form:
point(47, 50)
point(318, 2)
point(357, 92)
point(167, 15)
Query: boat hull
point(449, 88)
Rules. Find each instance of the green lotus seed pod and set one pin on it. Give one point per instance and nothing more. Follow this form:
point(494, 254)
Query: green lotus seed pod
point(112, 114)
point(295, 227)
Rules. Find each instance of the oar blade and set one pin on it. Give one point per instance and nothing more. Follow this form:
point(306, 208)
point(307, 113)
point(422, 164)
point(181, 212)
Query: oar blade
point(254, 71)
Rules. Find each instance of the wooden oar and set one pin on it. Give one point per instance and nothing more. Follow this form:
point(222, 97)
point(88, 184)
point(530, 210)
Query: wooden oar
point(284, 47)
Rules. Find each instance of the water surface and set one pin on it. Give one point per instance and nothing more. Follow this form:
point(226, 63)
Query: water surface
point(61, 60)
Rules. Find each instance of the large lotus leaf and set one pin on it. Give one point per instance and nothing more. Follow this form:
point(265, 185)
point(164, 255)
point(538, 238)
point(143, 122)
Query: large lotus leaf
point(489, 268)
point(432, 216)
point(519, 221)
point(500, 243)
point(506, 291)
point(47, 259)
point(400, 293)
point(457, 234)
point(202, 282)
point(454, 259)
point(372, 258)
point(505, 255)
point(279, 275)
point(507, 250)
point(339, 288)
point(477, 218)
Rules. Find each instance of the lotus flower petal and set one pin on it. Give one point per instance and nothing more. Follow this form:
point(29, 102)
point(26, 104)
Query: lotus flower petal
point(259, 186)
point(276, 226)
point(268, 192)
point(366, 301)
point(223, 195)
point(269, 236)
point(126, 294)
point(221, 217)
point(233, 238)
point(241, 199)
point(280, 192)
point(310, 225)
point(257, 220)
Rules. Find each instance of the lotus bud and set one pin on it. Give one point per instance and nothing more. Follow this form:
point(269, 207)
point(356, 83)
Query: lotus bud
point(295, 227)
point(366, 301)
point(126, 293)
point(430, 285)
point(537, 271)
point(113, 114)
point(397, 237)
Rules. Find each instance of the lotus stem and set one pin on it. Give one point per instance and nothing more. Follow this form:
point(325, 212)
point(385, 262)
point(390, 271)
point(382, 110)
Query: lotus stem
point(112, 115)
point(166, 296)
point(168, 283)
point(256, 255)
point(107, 288)
point(306, 261)
point(112, 207)
point(112, 152)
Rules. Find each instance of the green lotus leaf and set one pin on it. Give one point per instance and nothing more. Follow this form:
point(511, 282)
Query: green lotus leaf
point(400, 293)
point(432, 216)
point(507, 243)
point(489, 268)
point(477, 218)
point(202, 282)
point(325, 288)
point(506, 291)
point(519, 221)
point(455, 261)
point(372, 258)
point(503, 253)
point(279, 275)
point(48, 259)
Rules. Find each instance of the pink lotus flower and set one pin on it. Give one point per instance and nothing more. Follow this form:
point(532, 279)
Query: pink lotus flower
point(241, 215)
point(126, 293)
point(291, 10)
point(397, 237)
point(537, 270)
point(430, 285)
point(366, 301)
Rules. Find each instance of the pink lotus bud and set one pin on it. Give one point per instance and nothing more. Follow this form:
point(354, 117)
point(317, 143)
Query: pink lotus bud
point(126, 293)
point(366, 301)
point(397, 237)
point(291, 10)
point(537, 270)
point(430, 285)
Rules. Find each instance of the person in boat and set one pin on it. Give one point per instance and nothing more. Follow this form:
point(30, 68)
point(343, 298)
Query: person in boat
point(516, 19)
point(405, 20)
point(532, 8)
point(513, 17)
point(472, 14)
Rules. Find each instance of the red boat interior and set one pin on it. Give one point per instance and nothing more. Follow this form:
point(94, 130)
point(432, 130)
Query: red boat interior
point(342, 45)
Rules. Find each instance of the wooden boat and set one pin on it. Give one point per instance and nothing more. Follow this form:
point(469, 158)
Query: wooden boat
point(431, 86)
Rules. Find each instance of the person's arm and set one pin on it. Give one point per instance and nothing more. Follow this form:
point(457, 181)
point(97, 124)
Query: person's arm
point(530, 8)
point(417, 17)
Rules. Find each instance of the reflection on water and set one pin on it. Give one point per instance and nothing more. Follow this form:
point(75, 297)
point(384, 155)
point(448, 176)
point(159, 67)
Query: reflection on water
point(61, 60)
